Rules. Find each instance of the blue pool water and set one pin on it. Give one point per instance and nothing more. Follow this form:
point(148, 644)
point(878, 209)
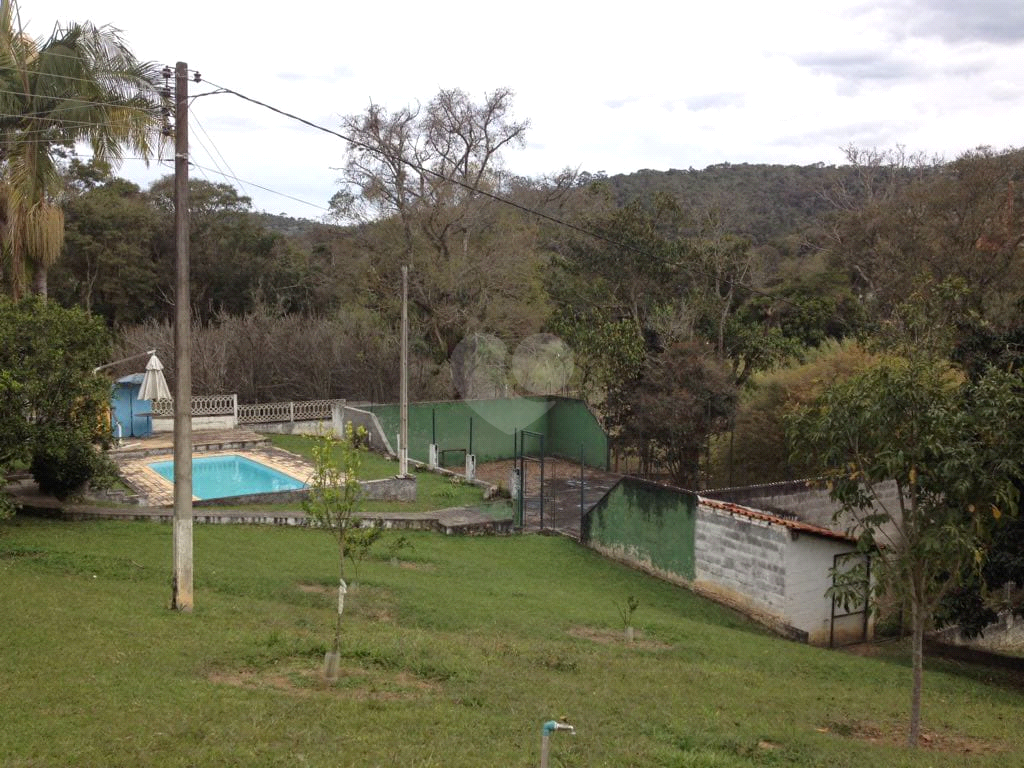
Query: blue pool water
point(215, 477)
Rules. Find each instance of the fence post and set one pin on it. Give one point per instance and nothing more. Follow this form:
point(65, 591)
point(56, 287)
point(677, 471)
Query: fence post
point(338, 418)
point(583, 449)
point(234, 408)
point(291, 411)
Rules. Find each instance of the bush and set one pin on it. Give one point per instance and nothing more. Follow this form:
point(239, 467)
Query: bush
point(64, 464)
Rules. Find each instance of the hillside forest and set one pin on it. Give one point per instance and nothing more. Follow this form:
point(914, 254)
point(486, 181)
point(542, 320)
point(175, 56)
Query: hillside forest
point(689, 308)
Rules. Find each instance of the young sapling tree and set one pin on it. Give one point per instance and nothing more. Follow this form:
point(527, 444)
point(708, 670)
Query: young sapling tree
point(334, 498)
point(626, 613)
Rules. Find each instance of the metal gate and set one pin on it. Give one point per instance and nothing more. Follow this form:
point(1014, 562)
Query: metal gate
point(529, 465)
point(851, 594)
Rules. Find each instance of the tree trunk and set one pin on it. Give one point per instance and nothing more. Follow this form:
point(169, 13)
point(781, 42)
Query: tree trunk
point(39, 281)
point(917, 630)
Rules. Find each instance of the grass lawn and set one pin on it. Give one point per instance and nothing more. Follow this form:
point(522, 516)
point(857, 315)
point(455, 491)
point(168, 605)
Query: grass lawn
point(433, 491)
point(454, 656)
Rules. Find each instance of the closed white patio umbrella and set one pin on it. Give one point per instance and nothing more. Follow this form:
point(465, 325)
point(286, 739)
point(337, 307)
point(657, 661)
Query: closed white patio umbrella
point(154, 385)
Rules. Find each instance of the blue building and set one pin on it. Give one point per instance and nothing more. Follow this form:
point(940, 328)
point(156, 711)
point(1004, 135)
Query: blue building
point(131, 417)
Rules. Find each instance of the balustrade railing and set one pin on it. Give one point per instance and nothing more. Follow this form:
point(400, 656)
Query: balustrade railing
point(309, 410)
point(254, 413)
point(202, 405)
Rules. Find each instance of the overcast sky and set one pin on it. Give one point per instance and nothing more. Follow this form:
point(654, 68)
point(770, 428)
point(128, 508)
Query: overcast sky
point(615, 88)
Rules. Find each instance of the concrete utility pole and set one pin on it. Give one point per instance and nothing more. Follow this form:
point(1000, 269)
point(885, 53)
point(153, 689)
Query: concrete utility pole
point(403, 437)
point(181, 598)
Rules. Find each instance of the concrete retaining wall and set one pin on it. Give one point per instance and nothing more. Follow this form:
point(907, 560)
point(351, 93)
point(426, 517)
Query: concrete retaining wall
point(387, 489)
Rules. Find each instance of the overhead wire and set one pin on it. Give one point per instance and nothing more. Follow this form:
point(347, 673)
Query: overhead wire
point(271, 191)
point(195, 120)
point(230, 176)
point(88, 102)
point(378, 151)
point(484, 193)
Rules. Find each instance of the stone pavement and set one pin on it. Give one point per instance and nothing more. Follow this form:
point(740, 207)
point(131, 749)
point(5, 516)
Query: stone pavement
point(159, 492)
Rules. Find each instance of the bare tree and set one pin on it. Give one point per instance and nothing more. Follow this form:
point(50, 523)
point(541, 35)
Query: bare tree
point(432, 169)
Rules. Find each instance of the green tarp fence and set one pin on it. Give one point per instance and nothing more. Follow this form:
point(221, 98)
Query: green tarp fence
point(567, 425)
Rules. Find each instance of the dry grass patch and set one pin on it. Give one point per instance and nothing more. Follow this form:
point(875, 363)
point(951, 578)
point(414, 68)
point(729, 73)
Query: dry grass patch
point(607, 636)
point(354, 683)
point(317, 589)
point(896, 735)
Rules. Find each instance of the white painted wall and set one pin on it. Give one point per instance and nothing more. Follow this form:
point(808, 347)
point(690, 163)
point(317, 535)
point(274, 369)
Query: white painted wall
point(807, 579)
point(198, 422)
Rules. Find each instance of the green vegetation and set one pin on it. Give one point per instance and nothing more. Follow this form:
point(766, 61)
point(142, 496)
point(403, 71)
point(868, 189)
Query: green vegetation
point(454, 657)
point(80, 84)
point(47, 354)
point(946, 446)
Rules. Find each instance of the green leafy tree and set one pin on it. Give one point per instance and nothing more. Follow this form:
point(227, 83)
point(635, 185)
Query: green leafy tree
point(236, 262)
point(335, 496)
point(111, 257)
point(81, 83)
point(755, 450)
point(685, 395)
point(949, 447)
point(53, 409)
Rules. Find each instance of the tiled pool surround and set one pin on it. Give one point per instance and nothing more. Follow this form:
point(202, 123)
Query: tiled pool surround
point(159, 492)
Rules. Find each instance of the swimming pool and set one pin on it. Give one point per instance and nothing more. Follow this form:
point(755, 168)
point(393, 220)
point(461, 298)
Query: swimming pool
point(216, 477)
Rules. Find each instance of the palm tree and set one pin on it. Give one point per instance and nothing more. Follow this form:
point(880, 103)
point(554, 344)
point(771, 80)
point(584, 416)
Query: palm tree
point(81, 84)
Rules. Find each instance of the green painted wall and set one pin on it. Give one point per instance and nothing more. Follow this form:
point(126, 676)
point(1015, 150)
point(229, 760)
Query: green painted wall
point(646, 522)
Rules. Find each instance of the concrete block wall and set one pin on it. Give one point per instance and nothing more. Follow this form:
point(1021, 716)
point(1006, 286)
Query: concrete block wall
point(742, 557)
point(294, 427)
point(773, 570)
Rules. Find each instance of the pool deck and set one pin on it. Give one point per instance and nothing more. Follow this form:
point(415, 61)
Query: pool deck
point(133, 459)
point(203, 441)
point(159, 492)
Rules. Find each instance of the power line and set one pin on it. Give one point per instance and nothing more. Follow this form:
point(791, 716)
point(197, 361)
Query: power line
point(231, 177)
point(109, 78)
point(210, 139)
point(126, 105)
point(484, 193)
point(268, 189)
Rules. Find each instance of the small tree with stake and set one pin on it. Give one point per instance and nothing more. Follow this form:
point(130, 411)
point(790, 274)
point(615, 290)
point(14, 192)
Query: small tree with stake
point(333, 500)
